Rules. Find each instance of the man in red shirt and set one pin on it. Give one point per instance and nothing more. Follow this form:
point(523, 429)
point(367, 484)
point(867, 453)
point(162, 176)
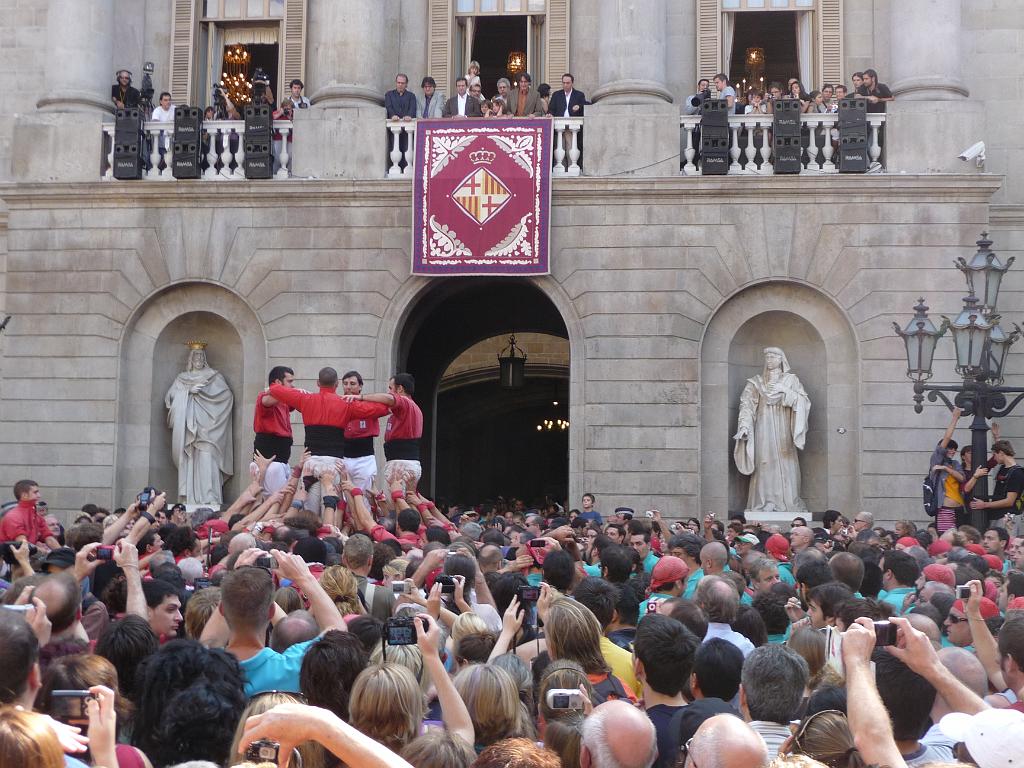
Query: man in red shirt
point(325, 416)
point(359, 460)
point(24, 522)
point(273, 427)
point(404, 429)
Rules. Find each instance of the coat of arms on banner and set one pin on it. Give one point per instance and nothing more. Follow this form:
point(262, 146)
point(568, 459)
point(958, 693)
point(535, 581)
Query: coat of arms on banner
point(482, 197)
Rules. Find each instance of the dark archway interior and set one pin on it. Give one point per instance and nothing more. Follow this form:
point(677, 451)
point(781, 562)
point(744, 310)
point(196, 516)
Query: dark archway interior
point(493, 39)
point(775, 31)
point(451, 317)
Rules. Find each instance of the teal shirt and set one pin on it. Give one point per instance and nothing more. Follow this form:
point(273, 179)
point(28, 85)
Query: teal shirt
point(269, 670)
point(691, 583)
point(592, 570)
point(650, 561)
point(657, 597)
point(786, 574)
point(895, 598)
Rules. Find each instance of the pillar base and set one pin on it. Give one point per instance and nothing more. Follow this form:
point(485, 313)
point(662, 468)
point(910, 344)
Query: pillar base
point(336, 96)
point(339, 143)
point(57, 146)
point(928, 136)
point(626, 140)
point(632, 92)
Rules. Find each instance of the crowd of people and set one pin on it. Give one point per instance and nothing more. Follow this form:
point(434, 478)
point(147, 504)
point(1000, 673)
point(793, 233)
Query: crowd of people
point(327, 618)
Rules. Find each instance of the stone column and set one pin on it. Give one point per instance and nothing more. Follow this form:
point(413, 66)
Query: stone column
point(633, 127)
point(931, 121)
point(63, 139)
point(631, 45)
point(926, 62)
point(343, 53)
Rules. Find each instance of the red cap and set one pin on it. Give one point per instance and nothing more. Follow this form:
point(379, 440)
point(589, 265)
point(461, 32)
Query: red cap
point(940, 573)
point(908, 541)
point(994, 562)
point(976, 549)
point(939, 547)
point(988, 608)
point(777, 546)
point(667, 570)
point(1017, 604)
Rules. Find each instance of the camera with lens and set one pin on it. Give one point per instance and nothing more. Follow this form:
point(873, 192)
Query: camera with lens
point(528, 594)
point(447, 583)
point(7, 551)
point(260, 81)
point(400, 630)
point(699, 98)
point(263, 751)
point(146, 498)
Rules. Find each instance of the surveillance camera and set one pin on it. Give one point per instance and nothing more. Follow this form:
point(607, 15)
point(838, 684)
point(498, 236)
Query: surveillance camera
point(975, 152)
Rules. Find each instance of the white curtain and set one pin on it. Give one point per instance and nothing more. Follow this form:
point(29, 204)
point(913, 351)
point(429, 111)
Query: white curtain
point(804, 38)
point(728, 33)
point(250, 35)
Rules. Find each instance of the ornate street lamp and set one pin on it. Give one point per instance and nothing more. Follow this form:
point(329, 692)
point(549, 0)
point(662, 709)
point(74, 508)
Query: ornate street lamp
point(981, 351)
point(920, 337)
point(512, 366)
point(984, 273)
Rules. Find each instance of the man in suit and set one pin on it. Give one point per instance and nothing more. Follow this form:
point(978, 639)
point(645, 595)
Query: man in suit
point(431, 103)
point(567, 102)
point(524, 101)
point(462, 104)
point(399, 102)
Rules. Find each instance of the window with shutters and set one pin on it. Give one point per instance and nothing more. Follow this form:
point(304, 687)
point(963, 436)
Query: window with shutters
point(796, 38)
point(271, 32)
point(494, 32)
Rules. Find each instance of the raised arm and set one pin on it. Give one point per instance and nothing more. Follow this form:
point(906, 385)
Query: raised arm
point(948, 434)
point(127, 558)
point(320, 604)
point(453, 708)
point(985, 646)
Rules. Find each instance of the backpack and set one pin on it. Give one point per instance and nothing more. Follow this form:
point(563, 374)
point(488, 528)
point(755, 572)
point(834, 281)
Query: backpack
point(609, 689)
point(930, 493)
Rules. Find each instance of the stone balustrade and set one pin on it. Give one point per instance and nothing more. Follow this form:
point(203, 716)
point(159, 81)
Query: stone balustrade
point(223, 150)
point(750, 148)
point(567, 148)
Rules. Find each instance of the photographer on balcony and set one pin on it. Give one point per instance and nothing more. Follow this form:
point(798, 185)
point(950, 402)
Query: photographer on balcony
point(122, 93)
point(692, 104)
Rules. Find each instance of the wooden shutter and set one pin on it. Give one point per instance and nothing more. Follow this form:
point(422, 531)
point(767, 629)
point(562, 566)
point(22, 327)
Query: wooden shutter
point(556, 54)
point(830, 41)
point(183, 35)
point(439, 37)
point(709, 42)
point(294, 42)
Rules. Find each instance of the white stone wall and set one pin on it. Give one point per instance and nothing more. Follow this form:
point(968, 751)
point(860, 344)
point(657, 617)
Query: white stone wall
point(22, 55)
point(639, 269)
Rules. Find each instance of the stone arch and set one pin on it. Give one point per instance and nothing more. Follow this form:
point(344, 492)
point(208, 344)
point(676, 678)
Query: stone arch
point(821, 345)
point(399, 322)
point(152, 355)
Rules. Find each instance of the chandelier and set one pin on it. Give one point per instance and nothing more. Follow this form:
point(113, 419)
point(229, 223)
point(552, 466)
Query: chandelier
point(235, 77)
point(516, 64)
point(553, 425)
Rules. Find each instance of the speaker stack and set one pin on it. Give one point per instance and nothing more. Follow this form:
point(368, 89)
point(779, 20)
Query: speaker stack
point(853, 135)
point(786, 146)
point(714, 137)
point(259, 142)
point(187, 160)
point(129, 149)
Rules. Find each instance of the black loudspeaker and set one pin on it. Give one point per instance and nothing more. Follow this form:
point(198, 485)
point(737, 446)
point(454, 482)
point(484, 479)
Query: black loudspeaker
point(187, 161)
point(786, 117)
point(853, 137)
point(260, 166)
point(853, 111)
point(127, 125)
point(787, 154)
point(714, 112)
point(128, 160)
point(258, 118)
point(188, 125)
point(853, 160)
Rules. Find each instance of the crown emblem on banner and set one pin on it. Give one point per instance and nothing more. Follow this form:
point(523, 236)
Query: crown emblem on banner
point(482, 157)
point(196, 344)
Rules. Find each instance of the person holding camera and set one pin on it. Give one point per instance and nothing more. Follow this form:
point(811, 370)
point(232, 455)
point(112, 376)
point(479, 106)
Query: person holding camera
point(693, 102)
point(298, 100)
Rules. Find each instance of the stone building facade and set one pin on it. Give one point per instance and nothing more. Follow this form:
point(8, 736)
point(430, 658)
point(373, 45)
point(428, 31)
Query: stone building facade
point(665, 287)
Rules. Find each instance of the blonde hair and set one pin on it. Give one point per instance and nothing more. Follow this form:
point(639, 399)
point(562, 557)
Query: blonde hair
point(200, 608)
point(467, 624)
point(473, 65)
point(438, 749)
point(387, 705)
point(562, 673)
point(564, 737)
point(574, 633)
point(341, 586)
point(408, 656)
point(313, 755)
point(396, 569)
point(27, 741)
point(492, 698)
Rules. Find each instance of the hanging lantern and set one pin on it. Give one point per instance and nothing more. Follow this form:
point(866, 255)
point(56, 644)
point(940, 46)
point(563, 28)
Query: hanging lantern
point(512, 365)
point(516, 63)
point(984, 273)
point(999, 343)
point(920, 337)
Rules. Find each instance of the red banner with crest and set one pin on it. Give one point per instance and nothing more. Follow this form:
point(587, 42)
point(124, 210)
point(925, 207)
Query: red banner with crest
point(482, 197)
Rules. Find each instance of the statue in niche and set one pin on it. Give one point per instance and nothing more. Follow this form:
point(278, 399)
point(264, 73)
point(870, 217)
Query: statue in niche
point(772, 427)
point(199, 406)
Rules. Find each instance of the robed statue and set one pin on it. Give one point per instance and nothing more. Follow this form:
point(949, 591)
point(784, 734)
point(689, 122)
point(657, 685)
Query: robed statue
point(772, 427)
point(199, 414)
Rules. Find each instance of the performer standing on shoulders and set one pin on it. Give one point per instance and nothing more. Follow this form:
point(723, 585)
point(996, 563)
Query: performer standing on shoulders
point(360, 463)
point(273, 427)
point(403, 432)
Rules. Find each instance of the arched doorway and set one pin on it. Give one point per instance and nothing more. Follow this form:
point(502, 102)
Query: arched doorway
point(481, 440)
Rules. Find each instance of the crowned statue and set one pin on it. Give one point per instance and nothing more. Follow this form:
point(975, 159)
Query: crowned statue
point(199, 406)
point(772, 427)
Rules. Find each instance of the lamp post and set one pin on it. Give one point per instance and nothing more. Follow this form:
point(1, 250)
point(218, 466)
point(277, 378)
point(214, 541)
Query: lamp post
point(981, 350)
